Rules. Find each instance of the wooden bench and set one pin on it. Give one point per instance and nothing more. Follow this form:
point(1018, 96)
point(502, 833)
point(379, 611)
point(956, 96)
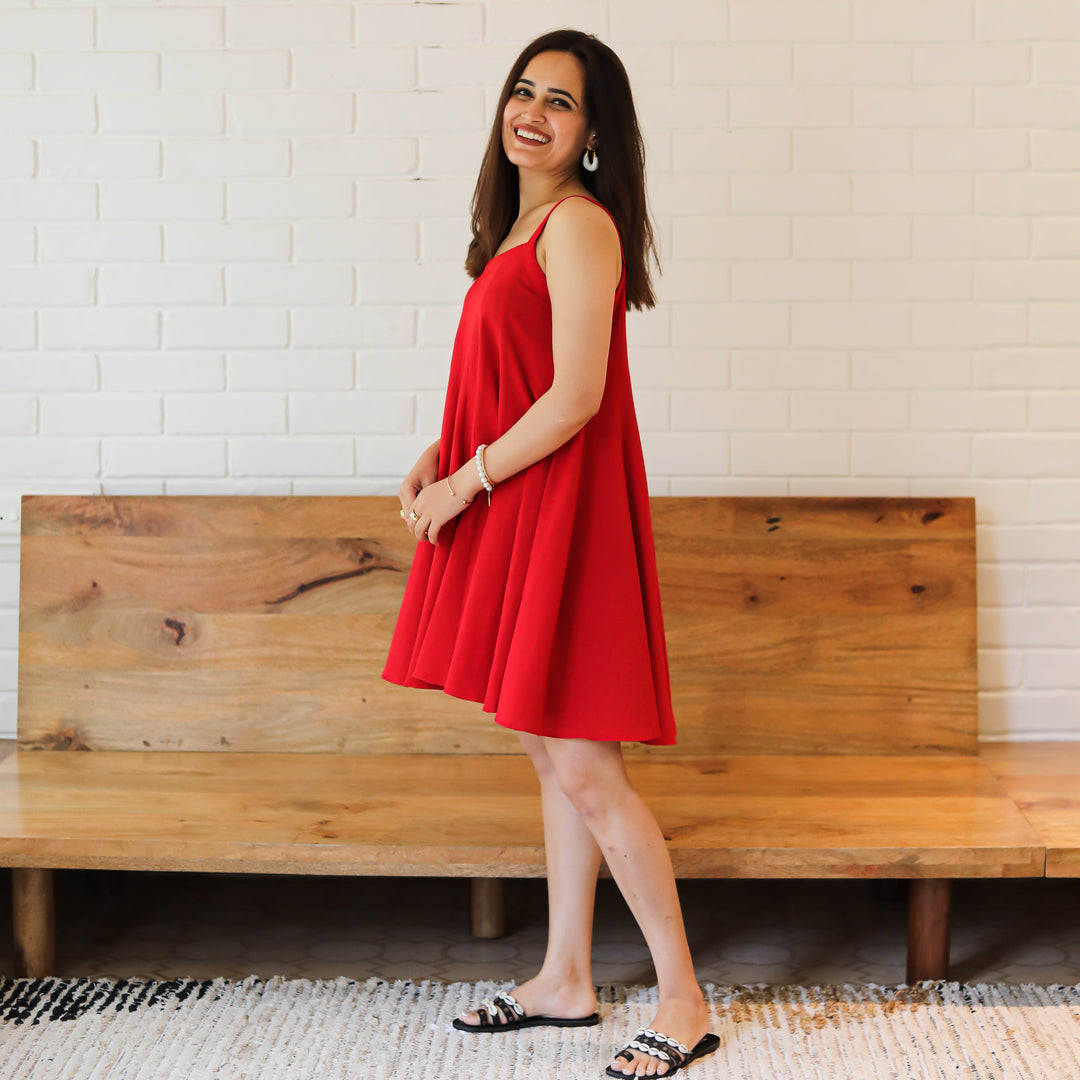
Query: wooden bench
point(220, 659)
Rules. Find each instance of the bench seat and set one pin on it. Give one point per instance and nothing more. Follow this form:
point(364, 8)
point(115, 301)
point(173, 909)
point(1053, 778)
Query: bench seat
point(1043, 780)
point(785, 816)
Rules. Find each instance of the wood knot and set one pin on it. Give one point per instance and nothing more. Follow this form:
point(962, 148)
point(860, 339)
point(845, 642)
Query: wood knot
point(67, 738)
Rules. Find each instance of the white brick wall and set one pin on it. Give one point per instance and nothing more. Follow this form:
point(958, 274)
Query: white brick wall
point(231, 238)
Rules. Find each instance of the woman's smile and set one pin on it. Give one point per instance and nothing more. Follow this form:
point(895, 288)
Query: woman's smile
point(543, 140)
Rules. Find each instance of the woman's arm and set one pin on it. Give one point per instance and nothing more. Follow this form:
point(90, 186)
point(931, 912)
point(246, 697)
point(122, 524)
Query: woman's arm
point(544, 427)
point(583, 258)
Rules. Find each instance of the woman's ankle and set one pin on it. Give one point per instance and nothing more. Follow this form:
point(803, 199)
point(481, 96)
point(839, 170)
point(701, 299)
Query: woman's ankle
point(569, 975)
point(680, 996)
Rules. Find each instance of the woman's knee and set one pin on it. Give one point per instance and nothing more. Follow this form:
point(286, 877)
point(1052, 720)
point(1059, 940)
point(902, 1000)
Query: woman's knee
point(592, 779)
point(533, 745)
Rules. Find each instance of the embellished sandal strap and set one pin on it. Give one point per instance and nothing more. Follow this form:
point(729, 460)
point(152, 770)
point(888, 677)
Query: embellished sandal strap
point(684, 1050)
point(657, 1044)
point(498, 1006)
point(489, 1013)
point(509, 1005)
point(650, 1049)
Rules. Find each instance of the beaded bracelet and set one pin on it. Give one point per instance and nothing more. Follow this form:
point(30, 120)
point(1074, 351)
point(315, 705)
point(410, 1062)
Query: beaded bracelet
point(489, 486)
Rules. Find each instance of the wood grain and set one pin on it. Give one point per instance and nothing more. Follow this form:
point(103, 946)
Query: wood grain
point(754, 816)
point(794, 625)
point(1043, 780)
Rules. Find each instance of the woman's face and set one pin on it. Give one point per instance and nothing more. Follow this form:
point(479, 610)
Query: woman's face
point(548, 99)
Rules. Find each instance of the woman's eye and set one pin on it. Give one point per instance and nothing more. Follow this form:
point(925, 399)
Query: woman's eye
point(522, 90)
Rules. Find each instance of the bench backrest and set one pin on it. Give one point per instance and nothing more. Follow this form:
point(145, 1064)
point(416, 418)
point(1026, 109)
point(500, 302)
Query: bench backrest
point(796, 625)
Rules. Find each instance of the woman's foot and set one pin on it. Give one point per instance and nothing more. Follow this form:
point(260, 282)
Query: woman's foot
point(685, 1019)
point(544, 995)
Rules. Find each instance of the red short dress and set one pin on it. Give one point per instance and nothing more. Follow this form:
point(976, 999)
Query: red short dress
point(545, 605)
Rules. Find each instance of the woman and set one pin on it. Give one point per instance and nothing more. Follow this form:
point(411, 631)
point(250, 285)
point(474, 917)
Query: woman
point(541, 601)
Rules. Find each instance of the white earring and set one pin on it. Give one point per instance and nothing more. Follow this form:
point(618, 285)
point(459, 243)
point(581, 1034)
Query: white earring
point(591, 160)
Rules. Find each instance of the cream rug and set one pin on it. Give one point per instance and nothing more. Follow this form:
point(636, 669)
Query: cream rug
point(288, 1029)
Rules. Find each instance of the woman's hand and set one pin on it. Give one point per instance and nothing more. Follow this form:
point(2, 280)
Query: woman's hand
point(419, 493)
point(422, 473)
point(434, 506)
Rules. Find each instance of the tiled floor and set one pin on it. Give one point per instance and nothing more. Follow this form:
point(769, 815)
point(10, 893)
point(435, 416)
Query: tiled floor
point(165, 925)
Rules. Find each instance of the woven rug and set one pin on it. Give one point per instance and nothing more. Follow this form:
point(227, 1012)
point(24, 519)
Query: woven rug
point(281, 1029)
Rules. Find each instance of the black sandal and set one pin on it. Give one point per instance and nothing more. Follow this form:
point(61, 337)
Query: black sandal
point(657, 1044)
point(506, 1004)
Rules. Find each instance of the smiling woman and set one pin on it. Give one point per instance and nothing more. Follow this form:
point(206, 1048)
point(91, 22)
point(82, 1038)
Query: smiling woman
point(581, 122)
point(542, 603)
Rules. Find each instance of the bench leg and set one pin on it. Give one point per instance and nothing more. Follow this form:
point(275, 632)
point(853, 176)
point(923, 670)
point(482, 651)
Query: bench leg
point(488, 904)
point(928, 929)
point(33, 921)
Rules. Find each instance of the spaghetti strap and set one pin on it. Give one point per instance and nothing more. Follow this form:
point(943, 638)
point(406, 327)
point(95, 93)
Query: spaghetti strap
point(576, 195)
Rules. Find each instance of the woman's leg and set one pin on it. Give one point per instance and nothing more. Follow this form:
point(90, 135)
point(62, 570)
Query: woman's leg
point(593, 776)
point(564, 985)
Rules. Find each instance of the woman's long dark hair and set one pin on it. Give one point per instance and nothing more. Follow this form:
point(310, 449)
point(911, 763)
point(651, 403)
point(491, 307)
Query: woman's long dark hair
point(619, 182)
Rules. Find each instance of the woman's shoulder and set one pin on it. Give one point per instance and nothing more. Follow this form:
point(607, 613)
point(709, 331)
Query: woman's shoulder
point(573, 220)
point(582, 210)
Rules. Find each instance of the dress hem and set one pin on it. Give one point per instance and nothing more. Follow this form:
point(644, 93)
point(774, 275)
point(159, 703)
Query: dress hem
point(656, 741)
point(425, 685)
